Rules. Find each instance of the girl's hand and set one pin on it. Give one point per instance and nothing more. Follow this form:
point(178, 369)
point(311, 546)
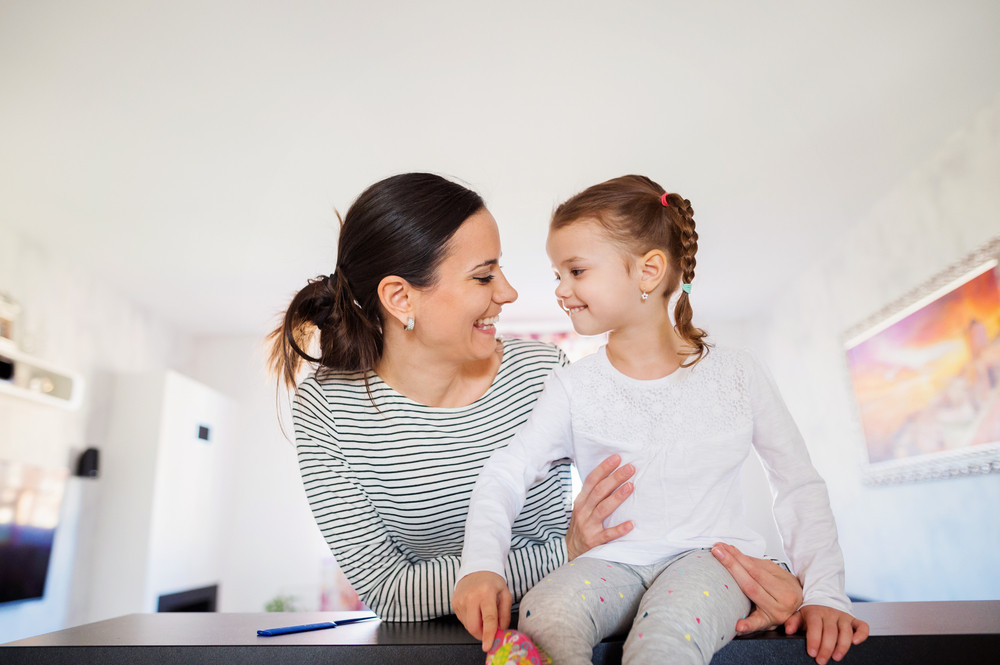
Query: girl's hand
point(482, 603)
point(603, 491)
point(775, 592)
point(828, 631)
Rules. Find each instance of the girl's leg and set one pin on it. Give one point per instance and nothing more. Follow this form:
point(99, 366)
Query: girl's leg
point(689, 612)
point(578, 605)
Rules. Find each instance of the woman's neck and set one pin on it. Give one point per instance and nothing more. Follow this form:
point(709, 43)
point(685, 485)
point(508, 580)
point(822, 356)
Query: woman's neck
point(646, 352)
point(427, 379)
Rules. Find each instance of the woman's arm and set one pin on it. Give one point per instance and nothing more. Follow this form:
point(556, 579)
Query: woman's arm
point(393, 586)
point(387, 576)
point(603, 491)
point(775, 592)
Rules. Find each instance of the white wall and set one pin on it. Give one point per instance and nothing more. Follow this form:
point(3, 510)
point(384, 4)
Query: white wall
point(935, 540)
point(276, 547)
point(76, 322)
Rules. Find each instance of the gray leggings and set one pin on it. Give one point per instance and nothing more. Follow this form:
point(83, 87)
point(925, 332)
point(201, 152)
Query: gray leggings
point(681, 610)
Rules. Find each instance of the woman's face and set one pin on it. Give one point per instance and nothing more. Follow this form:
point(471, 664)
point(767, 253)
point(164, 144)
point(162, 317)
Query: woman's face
point(458, 314)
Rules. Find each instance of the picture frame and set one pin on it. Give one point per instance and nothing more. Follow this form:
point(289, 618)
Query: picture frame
point(925, 374)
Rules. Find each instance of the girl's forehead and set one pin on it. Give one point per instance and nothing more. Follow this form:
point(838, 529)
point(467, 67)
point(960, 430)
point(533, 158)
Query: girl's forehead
point(585, 233)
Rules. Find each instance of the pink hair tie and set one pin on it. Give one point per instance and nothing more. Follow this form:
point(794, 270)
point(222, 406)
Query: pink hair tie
point(663, 200)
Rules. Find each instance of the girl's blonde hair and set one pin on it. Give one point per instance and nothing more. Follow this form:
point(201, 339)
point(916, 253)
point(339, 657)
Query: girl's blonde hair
point(638, 215)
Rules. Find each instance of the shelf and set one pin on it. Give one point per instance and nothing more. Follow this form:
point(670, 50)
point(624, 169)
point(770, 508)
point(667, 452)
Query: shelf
point(39, 381)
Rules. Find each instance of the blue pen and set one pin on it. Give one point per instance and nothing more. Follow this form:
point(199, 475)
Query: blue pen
point(311, 626)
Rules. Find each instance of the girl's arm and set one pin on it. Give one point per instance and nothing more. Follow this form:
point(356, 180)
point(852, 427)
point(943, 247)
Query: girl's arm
point(510, 472)
point(801, 503)
point(806, 524)
point(392, 584)
point(482, 600)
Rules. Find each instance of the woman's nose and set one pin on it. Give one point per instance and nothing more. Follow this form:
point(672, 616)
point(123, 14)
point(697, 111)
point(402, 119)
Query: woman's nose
point(505, 293)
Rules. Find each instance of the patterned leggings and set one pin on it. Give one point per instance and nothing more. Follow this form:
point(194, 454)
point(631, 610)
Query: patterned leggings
point(681, 610)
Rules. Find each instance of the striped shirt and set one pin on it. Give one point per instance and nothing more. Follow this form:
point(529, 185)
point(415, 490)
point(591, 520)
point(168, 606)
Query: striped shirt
point(389, 483)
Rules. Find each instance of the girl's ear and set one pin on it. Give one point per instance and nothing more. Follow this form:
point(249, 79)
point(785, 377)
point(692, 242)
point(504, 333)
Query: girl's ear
point(653, 266)
point(394, 294)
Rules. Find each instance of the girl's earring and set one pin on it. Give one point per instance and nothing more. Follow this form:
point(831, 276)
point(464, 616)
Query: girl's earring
point(645, 296)
point(409, 324)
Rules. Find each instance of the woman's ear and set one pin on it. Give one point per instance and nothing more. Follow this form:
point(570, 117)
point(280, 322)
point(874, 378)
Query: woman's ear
point(653, 267)
point(394, 294)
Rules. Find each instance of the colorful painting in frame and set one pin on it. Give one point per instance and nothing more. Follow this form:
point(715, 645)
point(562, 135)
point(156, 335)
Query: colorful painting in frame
point(926, 376)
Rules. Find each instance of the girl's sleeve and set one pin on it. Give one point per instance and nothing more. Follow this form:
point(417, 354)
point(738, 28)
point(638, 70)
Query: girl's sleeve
point(801, 502)
point(511, 471)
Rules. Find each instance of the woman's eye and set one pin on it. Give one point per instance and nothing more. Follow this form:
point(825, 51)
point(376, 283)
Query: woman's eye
point(484, 280)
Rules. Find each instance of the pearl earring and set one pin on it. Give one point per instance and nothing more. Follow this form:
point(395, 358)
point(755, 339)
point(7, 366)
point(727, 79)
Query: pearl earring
point(645, 296)
point(409, 324)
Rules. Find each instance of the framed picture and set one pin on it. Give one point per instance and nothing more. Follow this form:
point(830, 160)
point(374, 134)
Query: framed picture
point(926, 375)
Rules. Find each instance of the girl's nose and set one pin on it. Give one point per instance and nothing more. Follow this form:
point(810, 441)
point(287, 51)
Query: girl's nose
point(562, 291)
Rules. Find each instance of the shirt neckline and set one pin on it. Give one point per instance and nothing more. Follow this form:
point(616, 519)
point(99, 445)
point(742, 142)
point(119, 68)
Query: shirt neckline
point(399, 397)
point(674, 377)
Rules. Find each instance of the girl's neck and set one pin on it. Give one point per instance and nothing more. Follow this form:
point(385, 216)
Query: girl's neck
point(426, 379)
point(646, 352)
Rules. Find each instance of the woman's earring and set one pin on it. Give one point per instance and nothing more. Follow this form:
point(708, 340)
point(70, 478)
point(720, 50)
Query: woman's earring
point(645, 296)
point(409, 324)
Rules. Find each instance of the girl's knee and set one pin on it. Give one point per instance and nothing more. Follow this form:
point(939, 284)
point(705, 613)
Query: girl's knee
point(642, 648)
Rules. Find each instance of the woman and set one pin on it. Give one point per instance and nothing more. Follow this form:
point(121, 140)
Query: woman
point(412, 394)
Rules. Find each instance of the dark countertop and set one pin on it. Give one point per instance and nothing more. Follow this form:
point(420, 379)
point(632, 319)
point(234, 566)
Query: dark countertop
point(925, 632)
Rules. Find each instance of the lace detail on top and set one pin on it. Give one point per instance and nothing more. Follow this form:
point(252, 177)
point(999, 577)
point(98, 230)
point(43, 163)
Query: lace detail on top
point(611, 406)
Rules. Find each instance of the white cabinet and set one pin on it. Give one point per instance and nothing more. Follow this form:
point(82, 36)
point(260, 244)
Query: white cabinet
point(162, 523)
point(30, 378)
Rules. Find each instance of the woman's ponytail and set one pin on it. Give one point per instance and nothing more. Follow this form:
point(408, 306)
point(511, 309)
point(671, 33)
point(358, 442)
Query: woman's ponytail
point(348, 339)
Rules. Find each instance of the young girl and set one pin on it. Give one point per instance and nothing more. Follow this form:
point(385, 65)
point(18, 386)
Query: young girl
point(686, 420)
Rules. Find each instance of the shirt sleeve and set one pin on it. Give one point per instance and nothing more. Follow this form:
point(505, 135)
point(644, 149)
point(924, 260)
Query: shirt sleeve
point(500, 491)
point(801, 502)
point(393, 585)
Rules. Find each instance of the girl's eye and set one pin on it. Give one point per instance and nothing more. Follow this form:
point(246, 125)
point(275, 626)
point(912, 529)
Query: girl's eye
point(576, 272)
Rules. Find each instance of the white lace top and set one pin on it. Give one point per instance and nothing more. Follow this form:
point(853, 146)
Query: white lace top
point(688, 435)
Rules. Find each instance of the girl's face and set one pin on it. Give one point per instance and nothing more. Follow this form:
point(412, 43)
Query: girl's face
point(594, 286)
point(458, 314)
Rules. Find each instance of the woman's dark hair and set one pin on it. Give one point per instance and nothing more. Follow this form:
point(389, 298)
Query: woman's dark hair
point(630, 210)
point(399, 226)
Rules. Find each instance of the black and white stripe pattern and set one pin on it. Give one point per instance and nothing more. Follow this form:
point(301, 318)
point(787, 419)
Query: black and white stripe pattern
point(390, 486)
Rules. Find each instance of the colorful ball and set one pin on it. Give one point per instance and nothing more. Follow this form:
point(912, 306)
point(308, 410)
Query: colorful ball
point(513, 648)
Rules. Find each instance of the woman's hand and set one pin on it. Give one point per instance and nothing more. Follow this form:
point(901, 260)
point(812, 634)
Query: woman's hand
point(482, 603)
point(775, 592)
point(603, 491)
point(829, 632)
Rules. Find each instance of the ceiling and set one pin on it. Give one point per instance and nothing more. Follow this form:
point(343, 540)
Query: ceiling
point(193, 153)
